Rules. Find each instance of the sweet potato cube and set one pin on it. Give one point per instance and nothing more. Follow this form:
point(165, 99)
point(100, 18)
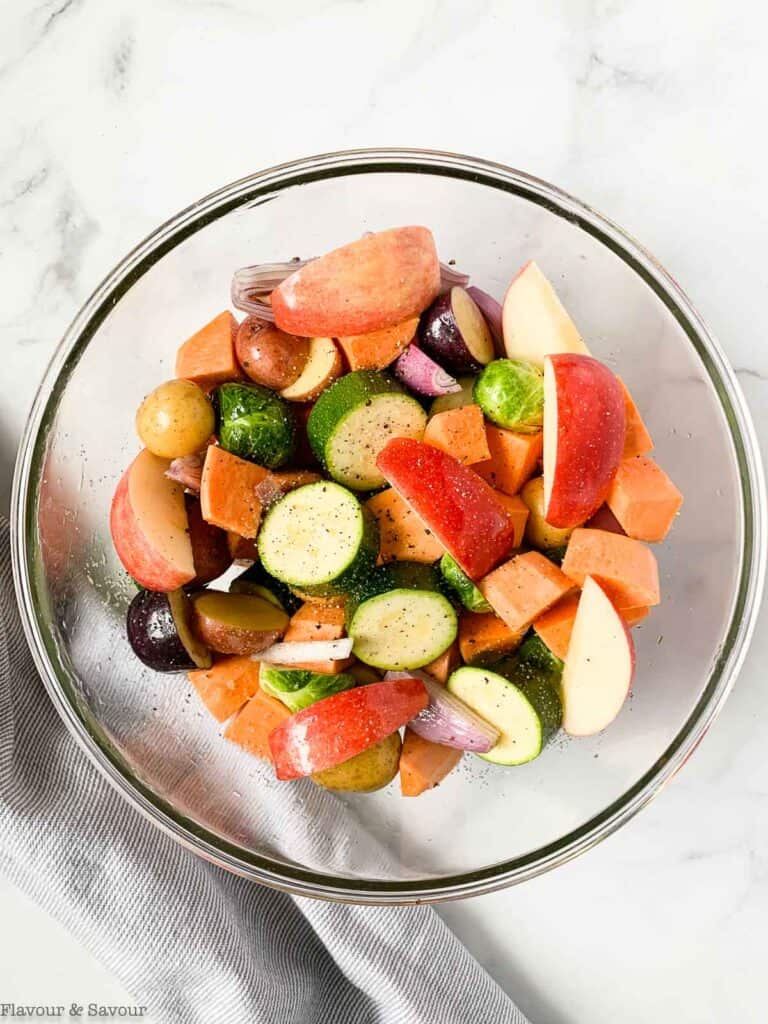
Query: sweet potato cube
point(555, 626)
point(228, 492)
point(643, 499)
point(637, 440)
point(403, 536)
point(424, 764)
point(518, 512)
point(484, 638)
point(514, 458)
point(461, 433)
point(251, 726)
point(626, 568)
point(378, 349)
point(227, 685)
point(208, 357)
point(524, 587)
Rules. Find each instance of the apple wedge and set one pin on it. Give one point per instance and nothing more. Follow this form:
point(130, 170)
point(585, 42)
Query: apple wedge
point(584, 424)
point(376, 282)
point(598, 666)
point(534, 321)
point(149, 525)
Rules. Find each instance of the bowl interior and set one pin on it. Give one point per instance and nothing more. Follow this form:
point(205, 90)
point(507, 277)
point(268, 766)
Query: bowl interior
point(151, 728)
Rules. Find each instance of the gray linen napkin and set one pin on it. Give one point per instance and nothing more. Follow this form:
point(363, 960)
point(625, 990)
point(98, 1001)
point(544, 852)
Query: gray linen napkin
point(192, 943)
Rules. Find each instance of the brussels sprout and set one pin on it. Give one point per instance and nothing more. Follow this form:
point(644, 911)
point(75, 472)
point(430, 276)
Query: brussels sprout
point(255, 423)
point(462, 585)
point(511, 394)
point(298, 688)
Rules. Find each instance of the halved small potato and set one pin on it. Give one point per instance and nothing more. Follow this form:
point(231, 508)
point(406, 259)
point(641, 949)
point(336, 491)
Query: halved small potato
point(324, 364)
point(454, 332)
point(373, 769)
point(237, 623)
point(270, 356)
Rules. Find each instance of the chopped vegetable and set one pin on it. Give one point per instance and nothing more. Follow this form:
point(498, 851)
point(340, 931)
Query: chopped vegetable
point(448, 720)
point(157, 627)
point(402, 534)
point(637, 440)
point(423, 764)
point(455, 334)
point(538, 532)
point(270, 356)
point(458, 507)
point(339, 727)
point(175, 419)
point(537, 673)
point(643, 499)
point(256, 580)
point(255, 423)
point(315, 621)
point(507, 708)
point(210, 550)
point(491, 310)
point(511, 394)
point(518, 513)
point(237, 623)
point(208, 357)
point(403, 628)
point(354, 419)
point(423, 375)
point(227, 685)
point(462, 585)
point(625, 567)
point(324, 366)
point(514, 458)
point(442, 667)
point(367, 771)
point(187, 471)
point(297, 688)
point(307, 651)
point(484, 638)
point(555, 625)
point(524, 587)
point(455, 399)
point(320, 539)
point(255, 722)
point(460, 432)
point(534, 321)
point(377, 350)
point(228, 492)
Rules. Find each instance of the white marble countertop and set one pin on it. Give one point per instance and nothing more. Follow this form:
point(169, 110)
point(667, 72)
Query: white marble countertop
point(115, 115)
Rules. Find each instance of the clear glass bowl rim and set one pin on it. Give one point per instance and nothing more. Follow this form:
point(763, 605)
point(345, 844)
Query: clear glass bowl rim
point(293, 878)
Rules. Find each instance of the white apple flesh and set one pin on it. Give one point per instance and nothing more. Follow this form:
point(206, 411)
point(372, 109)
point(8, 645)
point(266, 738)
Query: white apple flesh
point(599, 664)
point(534, 321)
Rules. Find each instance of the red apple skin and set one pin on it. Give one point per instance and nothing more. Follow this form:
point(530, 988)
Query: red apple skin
point(376, 282)
point(591, 425)
point(139, 559)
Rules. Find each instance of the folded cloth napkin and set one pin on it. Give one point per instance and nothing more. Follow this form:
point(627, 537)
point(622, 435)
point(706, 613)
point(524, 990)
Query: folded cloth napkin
point(191, 942)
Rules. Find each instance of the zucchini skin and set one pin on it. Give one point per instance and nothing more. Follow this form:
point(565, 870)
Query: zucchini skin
point(341, 398)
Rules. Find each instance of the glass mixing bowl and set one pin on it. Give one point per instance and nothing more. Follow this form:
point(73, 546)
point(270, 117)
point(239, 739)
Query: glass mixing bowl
point(484, 827)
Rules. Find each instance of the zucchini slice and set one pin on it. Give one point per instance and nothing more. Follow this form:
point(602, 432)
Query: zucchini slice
point(319, 538)
point(506, 707)
point(353, 420)
point(403, 628)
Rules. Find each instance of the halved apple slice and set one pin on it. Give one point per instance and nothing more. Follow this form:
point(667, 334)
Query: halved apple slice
point(599, 664)
point(584, 425)
point(534, 321)
point(149, 525)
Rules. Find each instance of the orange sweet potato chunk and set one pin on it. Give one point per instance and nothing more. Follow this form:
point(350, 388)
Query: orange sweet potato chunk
point(524, 587)
point(228, 492)
point(637, 440)
point(227, 685)
point(208, 357)
point(461, 433)
point(643, 499)
point(514, 458)
point(403, 536)
point(555, 626)
point(442, 667)
point(378, 349)
point(424, 764)
point(626, 567)
point(251, 726)
point(518, 512)
point(316, 621)
point(484, 638)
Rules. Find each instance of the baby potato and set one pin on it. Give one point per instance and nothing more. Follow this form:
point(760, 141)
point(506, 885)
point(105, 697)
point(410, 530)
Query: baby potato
point(175, 419)
point(538, 531)
point(373, 769)
point(270, 356)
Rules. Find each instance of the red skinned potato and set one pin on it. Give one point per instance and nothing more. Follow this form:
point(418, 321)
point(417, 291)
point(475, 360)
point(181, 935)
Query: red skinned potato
point(584, 425)
point(148, 523)
point(337, 728)
point(376, 282)
point(268, 355)
point(210, 550)
point(237, 623)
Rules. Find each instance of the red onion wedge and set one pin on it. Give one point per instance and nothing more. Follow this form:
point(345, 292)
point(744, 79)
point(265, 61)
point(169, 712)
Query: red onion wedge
point(251, 286)
point(422, 374)
point(448, 720)
point(187, 471)
point(491, 310)
point(297, 653)
point(449, 278)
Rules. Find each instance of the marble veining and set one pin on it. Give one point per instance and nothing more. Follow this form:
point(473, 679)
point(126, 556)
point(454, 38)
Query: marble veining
point(115, 115)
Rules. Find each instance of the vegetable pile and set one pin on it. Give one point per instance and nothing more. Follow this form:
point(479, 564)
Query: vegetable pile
point(442, 506)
